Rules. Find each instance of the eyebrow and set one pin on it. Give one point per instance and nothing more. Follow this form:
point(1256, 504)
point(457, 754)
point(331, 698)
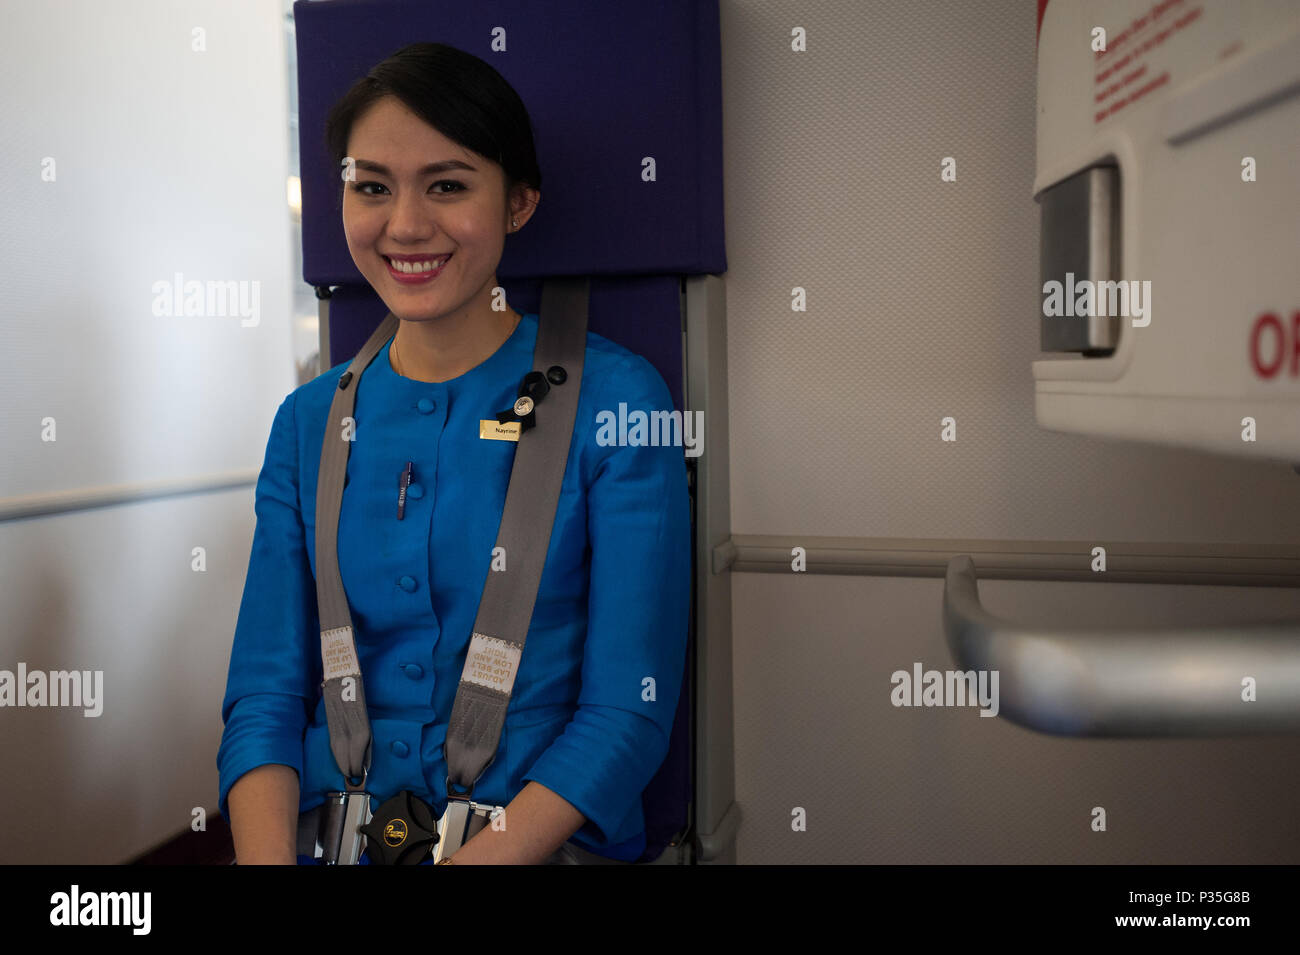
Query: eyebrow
point(431, 168)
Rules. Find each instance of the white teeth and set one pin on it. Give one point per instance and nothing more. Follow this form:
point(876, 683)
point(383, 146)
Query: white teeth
point(417, 267)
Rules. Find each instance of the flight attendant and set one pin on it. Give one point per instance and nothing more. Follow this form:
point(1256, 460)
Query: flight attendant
point(444, 169)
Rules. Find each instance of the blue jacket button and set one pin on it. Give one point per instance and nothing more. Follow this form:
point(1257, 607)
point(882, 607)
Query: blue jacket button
point(400, 749)
point(408, 584)
point(413, 670)
point(426, 405)
point(415, 492)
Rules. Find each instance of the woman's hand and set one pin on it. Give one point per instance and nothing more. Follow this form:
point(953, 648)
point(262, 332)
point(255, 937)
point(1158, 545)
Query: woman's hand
point(537, 822)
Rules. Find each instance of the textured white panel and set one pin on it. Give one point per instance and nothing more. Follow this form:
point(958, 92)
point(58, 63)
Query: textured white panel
point(815, 729)
point(115, 589)
point(922, 297)
point(169, 160)
point(923, 303)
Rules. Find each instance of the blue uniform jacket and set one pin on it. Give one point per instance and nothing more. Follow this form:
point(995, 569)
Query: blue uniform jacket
point(585, 720)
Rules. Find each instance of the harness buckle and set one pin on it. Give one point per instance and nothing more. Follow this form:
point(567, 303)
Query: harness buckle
point(341, 841)
point(461, 820)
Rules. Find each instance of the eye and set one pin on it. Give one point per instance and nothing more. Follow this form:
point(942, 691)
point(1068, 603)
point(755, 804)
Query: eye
point(361, 187)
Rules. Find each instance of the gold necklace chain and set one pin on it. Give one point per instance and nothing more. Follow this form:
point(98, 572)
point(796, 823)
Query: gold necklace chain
point(397, 361)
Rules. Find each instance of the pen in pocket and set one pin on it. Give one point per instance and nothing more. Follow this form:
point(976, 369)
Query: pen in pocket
point(403, 482)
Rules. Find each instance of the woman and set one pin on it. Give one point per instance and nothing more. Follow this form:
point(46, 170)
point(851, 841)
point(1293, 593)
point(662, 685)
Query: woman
point(445, 166)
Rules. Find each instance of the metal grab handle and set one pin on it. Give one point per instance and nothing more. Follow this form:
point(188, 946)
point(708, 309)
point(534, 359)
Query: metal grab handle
point(1127, 682)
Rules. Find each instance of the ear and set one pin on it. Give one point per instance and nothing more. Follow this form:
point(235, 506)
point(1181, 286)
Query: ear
point(523, 203)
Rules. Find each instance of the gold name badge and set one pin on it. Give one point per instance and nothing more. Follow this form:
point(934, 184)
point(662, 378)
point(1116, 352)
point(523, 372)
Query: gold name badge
point(491, 428)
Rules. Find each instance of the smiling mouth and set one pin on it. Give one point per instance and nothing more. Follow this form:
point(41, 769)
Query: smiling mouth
point(417, 269)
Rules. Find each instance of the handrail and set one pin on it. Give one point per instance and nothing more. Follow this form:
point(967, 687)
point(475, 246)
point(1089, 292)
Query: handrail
point(84, 498)
point(1173, 682)
point(1202, 563)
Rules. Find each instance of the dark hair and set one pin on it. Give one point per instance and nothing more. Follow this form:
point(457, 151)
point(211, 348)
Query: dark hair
point(456, 93)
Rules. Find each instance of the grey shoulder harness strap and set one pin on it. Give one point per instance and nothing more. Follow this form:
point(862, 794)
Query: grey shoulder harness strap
point(506, 605)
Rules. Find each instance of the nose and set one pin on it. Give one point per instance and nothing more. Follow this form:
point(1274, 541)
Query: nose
point(411, 219)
